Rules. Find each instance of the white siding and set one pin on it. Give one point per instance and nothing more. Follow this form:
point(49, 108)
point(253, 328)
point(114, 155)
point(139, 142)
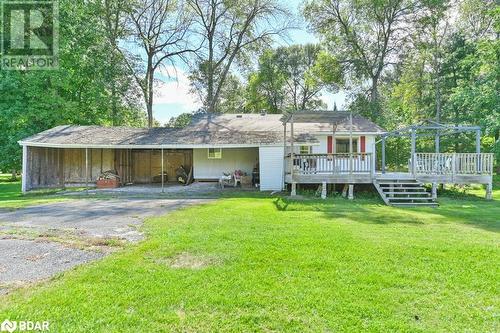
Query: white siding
point(244, 159)
point(322, 148)
point(271, 168)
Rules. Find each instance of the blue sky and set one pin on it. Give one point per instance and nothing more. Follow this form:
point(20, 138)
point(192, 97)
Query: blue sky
point(173, 93)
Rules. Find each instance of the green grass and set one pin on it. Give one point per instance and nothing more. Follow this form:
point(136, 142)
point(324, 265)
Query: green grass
point(274, 264)
point(12, 198)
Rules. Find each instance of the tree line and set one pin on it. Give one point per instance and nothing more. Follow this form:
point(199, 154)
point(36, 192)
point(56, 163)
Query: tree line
point(398, 61)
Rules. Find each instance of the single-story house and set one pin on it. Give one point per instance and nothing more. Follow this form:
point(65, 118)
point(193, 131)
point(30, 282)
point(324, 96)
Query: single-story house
point(210, 144)
point(307, 147)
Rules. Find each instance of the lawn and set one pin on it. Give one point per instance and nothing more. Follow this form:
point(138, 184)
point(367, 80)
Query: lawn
point(274, 264)
point(12, 198)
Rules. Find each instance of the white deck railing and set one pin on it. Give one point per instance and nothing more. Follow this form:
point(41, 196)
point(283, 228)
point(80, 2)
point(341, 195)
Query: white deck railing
point(453, 163)
point(342, 163)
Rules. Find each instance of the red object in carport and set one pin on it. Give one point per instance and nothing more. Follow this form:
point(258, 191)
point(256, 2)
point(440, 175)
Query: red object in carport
point(108, 183)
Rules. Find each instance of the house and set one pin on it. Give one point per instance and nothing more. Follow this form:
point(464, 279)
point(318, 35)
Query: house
point(310, 147)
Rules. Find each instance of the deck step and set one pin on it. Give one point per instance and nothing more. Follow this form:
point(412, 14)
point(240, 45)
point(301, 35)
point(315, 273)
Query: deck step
point(399, 183)
point(403, 192)
point(408, 193)
point(414, 204)
point(409, 198)
point(401, 188)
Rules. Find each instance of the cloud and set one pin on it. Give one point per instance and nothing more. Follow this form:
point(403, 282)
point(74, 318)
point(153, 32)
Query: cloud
point(174, 90)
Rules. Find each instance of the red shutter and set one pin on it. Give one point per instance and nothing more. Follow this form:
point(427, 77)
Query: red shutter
point(329, 146)
point(363, 144)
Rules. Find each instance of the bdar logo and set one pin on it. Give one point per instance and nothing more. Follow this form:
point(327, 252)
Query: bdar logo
point(8, 326)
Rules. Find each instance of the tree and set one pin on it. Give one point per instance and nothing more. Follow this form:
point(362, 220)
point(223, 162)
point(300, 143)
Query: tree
point(160, 32)
point(231, 29)
point(180, 121)
point(293, 78)
point(364, 35)
point(76, 93)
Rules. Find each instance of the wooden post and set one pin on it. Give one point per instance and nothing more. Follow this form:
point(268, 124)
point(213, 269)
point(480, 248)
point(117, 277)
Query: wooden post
point(434, 191)
point(489, 191)
point(478, 151)
point(283, 186)
point(350, 143)
point(351, 192)
point(292, 154)
point(25, 176)
point(323, 191)
point(162, 176)
point(150, 166)
point(437, 143)
point(294, 189)
point(383, 154)
point(87, 169)
point(413, 148)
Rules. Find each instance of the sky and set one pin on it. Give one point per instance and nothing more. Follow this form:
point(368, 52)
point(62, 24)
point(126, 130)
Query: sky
point(173, 95)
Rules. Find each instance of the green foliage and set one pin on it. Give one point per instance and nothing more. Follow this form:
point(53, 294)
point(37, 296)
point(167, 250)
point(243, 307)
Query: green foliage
point(292, 78)
point(79, 92)
point(180, 121)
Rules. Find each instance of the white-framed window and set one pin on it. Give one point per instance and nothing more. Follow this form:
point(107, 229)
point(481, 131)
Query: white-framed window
point(214, 153)
point(305, 149)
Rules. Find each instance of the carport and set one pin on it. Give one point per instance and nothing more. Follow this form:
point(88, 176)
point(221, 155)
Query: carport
point(49, 167)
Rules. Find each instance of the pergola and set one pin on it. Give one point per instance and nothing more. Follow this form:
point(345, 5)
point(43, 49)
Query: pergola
point(428, 128)
point(334, 118)
point(310, 117)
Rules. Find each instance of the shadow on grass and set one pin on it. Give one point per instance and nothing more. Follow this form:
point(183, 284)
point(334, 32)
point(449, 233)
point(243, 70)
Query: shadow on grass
point(477, 213)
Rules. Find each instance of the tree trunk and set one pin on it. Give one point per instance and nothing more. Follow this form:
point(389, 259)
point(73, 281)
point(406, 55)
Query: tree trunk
point(374, 98)
point(149, 89)
point(14, 175)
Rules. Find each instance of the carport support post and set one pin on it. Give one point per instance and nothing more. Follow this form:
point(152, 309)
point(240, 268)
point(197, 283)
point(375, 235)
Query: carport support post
point(24, 176)
point(162, 176)
point(87, 169)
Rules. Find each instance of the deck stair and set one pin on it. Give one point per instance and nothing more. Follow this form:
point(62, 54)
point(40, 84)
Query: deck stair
point(405, 192)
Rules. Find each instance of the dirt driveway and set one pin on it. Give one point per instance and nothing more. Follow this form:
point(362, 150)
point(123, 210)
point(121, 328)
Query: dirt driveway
point(40, 241)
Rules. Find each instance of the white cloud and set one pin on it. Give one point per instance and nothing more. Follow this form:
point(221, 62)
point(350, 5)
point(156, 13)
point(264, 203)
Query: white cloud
point(174, 89)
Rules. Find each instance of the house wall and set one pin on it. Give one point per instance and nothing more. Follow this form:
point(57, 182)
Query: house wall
point(244, 159)
point(271, 168)
point(323, 149)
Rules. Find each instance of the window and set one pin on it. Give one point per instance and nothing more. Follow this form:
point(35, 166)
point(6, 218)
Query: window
point(214, 153)
point(342, 145)
point(305, 149)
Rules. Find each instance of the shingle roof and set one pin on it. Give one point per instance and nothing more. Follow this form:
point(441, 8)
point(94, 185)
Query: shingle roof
point(128, 136)
point(209, 130)
point(304, 122)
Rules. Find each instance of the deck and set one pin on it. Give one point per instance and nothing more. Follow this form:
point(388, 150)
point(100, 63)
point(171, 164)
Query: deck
point(359, 168)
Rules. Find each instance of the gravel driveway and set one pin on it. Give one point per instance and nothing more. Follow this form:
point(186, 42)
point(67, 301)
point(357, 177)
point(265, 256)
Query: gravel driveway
point(28, 255)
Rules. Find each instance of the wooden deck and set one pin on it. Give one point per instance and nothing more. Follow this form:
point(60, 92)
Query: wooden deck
point(359, 168)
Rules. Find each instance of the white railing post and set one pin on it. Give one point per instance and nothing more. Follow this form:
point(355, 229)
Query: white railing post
point(453, 166)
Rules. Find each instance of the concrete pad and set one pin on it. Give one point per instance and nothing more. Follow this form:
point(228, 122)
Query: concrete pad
point(29, 261)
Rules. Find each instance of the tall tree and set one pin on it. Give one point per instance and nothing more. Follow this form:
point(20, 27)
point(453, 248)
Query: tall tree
point(159, 30)
point(230, 29)
point(366, 37)
point(293, 78)
point(76, 93)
